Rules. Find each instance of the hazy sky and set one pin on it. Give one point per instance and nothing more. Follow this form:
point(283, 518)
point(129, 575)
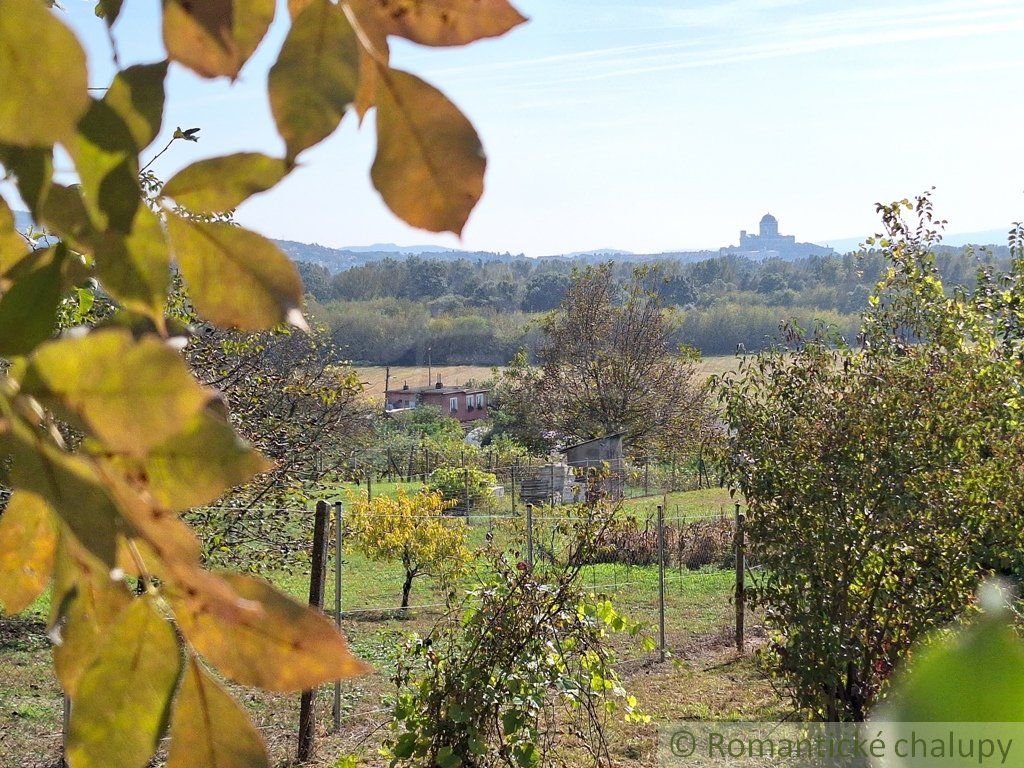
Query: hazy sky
point(653, 125)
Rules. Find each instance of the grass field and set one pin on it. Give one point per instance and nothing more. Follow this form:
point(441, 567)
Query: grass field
point(707, 679)
point(416, 376)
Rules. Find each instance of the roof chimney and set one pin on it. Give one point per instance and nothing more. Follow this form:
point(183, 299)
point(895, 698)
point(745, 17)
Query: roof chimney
point(439, 385)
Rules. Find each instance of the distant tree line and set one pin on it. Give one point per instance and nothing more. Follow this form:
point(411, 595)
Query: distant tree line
point(477, 311)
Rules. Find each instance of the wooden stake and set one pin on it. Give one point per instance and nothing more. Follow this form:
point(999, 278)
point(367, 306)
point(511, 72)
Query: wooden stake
point(317, 584)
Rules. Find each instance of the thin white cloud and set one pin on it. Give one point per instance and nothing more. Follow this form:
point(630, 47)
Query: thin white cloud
point(708, 45)
point(757, 52)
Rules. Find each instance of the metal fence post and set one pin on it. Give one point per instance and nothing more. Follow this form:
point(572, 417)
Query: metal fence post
point(317, 580)
point(741, 596)
point(512, 487)
point(551, 484)
point(339, 532)
point(529, 534)
point(661, 582)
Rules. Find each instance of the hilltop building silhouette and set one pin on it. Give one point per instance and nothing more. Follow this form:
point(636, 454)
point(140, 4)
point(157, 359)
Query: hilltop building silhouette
point(769, 244)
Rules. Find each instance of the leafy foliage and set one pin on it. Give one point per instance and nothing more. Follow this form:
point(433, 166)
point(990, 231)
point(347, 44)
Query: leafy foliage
point(973, 675)
point(606, 366)
point(520, 661)
point(462, 486)
point(413, 530)
point(480, 308)
point(880, 481)
point(99, 428)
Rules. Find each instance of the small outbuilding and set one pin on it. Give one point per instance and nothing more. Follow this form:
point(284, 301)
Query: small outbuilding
point(601, 452)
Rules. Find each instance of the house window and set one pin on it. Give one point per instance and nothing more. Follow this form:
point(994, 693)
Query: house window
point(453, 404)
point(480, 400)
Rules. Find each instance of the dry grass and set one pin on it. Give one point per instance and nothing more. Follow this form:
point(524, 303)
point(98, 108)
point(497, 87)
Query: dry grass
point(416, 376)
point(718, 364)
point(373, 376)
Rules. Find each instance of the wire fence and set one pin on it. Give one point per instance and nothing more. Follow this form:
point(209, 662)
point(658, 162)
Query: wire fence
point(681, 572)
point(681, 575)
point(420, 461)
point(478, 485)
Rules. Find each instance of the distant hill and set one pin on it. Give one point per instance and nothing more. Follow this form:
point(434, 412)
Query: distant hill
point(985, 237)
point(954, 240)
point(340, 259)
point(598, 252)
point(403, 249)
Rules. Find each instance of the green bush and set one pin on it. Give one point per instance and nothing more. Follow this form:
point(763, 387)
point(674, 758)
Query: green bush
point(881, 482)
point(519, 672)
point(462, 484)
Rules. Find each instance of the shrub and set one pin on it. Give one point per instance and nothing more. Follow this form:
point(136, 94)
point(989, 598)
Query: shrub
point(692, 545)
point(519, 667)
point(706, 542)
point(881, 483)
point(461, 484)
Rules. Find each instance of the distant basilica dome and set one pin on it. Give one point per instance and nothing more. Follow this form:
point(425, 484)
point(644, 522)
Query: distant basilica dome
point(769, 244)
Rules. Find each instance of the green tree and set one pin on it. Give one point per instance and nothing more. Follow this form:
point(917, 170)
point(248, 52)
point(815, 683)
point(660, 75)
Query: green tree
point(467, 489)
point(607, 365)
point(881, 481)
point(520, 671)
point(413, 530)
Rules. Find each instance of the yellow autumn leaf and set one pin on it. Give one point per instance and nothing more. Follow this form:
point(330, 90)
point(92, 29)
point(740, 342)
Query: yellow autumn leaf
point(315, 76)
point(164, 533)
point(64, 214)
point(279, 645)
point(69, 484)
point(136, 268)
point(32, 168)
point(28, 309)
point(430, 164)
point(236, 278)
point(215, 37)
point(43, 76)
point(121, 707)
point(137, 96)
point(12, 245)
point(440, 22)
point(106, 159)
point(209, 729)
point(366, 92)
point(85, 602)
point(197, 465)
point(132, 394)
point(27, 543)
point(223, 183)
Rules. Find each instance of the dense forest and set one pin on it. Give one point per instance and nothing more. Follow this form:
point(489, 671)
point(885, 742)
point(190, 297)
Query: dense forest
point(480, 311)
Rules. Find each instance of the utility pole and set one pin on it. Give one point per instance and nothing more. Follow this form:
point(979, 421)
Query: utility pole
point(387, 386)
